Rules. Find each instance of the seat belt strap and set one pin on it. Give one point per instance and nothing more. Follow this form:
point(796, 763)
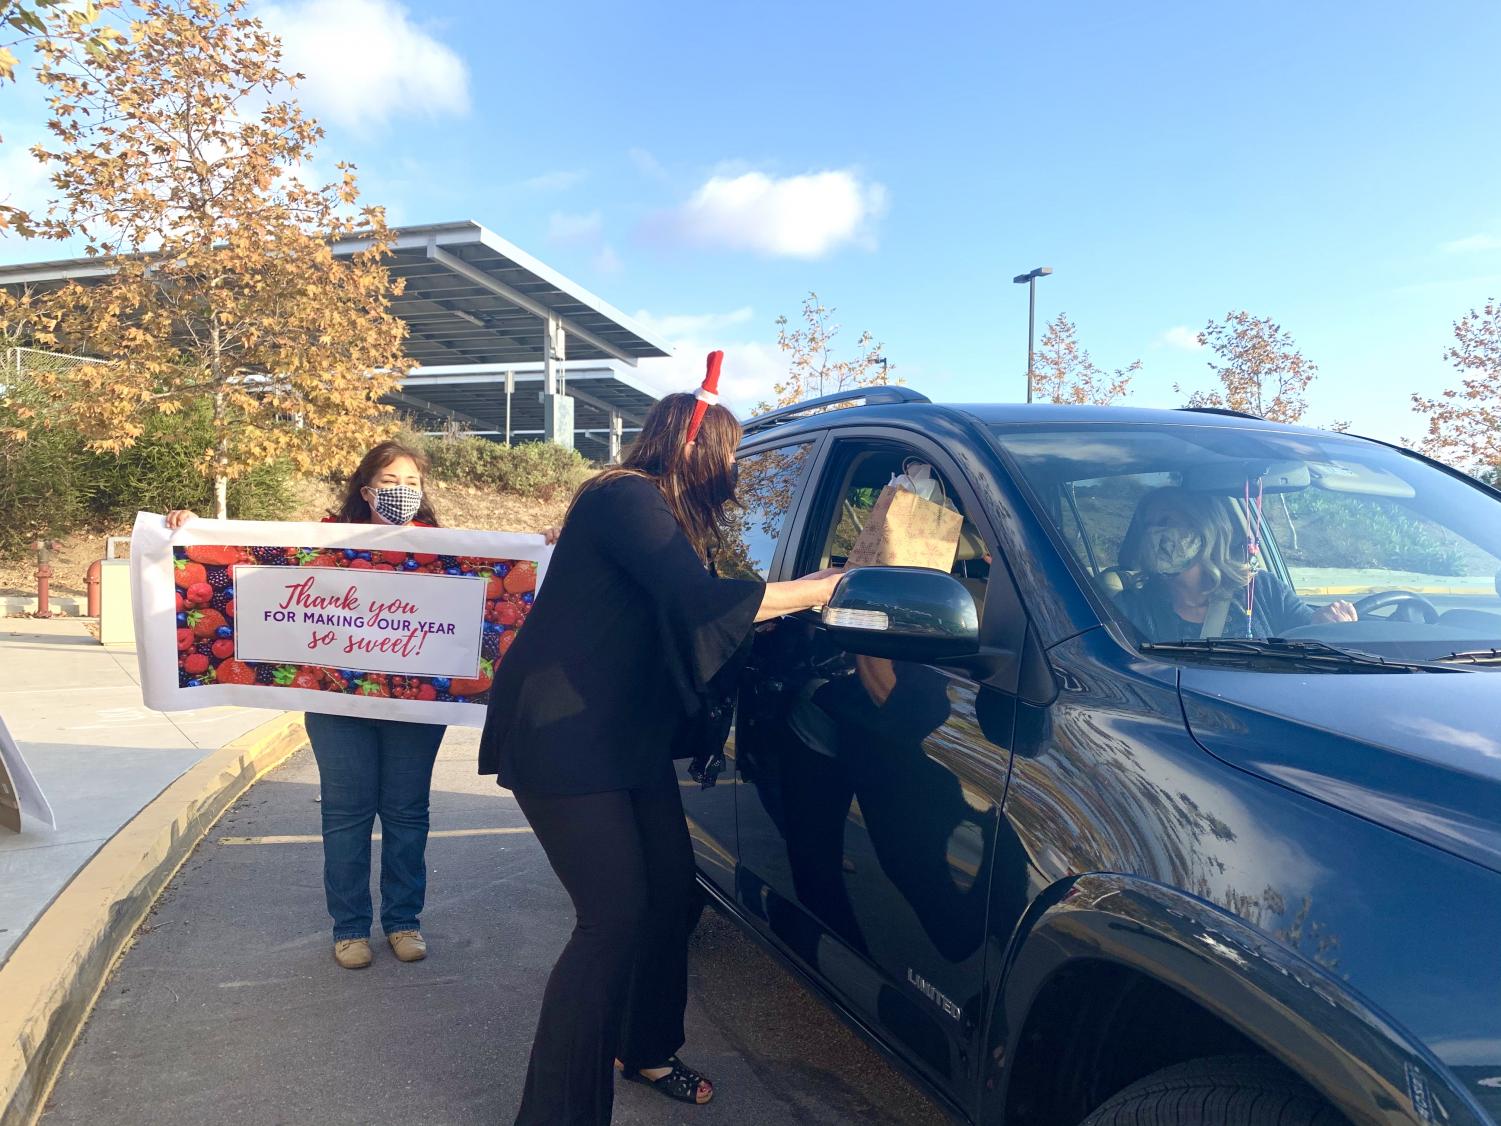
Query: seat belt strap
point(1214, 618)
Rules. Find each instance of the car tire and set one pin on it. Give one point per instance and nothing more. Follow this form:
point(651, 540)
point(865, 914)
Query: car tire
point(1220, 1091)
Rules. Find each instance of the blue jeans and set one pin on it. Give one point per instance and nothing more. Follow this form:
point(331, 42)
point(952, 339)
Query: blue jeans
point(368, 767)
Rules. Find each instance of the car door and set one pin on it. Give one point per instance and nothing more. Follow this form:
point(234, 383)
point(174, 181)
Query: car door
point(868, 790)
point(771, 480)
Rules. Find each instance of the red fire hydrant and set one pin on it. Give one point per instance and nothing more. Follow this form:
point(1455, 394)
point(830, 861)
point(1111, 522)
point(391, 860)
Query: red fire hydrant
point(44, 550)
point(91, 584)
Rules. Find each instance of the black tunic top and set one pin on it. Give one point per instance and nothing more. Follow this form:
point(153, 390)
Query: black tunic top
point(1275, 607)
point(626, 632)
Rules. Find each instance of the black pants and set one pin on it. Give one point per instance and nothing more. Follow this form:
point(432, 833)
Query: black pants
point(621, 984)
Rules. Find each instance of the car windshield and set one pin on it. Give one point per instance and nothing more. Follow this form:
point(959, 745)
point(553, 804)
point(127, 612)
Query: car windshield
point(1192, 533)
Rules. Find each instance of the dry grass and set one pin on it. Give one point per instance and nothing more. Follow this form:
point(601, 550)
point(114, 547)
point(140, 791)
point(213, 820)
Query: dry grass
point(458, 506)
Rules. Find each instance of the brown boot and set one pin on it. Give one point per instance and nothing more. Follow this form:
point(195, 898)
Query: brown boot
point(409, 946)
point(352, 953)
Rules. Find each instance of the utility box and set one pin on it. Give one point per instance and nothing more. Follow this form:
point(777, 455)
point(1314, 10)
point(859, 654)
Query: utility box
point(116, 616)
point(557, 419)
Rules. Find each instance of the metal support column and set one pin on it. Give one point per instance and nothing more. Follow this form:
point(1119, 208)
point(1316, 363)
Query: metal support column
point(510, 391)
point(557, 408)
point(617, 432)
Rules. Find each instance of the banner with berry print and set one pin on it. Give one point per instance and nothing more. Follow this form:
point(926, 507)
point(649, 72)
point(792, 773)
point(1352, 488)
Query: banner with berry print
point(356, 619)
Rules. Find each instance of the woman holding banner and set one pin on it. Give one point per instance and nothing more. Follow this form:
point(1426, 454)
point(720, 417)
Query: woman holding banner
point(372, 766)
point(617, 654)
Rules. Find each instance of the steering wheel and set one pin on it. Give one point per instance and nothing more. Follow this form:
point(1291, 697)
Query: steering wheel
point(1410, 607)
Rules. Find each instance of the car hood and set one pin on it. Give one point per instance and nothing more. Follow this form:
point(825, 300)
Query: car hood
point(1418, 753)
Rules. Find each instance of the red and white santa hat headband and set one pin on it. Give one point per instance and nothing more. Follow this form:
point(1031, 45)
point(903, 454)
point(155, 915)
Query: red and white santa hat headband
point(707, 395)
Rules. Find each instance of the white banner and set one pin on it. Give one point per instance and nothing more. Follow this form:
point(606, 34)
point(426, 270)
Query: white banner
point(354, 619)
point(19, 792)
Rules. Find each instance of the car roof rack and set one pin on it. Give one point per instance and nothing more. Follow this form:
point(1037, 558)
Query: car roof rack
point(868, 396)
point(1228, 412)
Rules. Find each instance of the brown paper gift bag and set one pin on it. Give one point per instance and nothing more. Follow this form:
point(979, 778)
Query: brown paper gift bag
point(904, 530)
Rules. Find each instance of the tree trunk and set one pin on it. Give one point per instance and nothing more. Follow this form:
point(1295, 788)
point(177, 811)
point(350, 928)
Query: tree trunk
point(221, 441)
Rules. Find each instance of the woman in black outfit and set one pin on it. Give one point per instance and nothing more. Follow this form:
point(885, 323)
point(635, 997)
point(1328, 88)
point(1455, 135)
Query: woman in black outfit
point(617, 653)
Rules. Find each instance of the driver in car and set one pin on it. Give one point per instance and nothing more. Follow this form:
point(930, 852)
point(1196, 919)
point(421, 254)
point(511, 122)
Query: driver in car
point(1188, 576)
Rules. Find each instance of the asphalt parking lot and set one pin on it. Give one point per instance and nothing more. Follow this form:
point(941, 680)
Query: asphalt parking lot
point(229, 1008)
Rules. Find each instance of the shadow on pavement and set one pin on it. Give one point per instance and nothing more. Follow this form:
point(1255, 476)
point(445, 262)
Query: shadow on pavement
point(229, 1007)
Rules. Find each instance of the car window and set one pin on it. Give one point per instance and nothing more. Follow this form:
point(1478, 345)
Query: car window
point(1192, 532)
point(768, 485)
point(864, 473)
point(1336, 545)
point(1097, 512)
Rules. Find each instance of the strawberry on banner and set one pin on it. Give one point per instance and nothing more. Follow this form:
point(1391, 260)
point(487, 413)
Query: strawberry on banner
point(356, 619)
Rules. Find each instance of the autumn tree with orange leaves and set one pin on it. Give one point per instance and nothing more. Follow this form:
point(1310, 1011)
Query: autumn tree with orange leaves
point(813, 368)
point(179, 158)
point(768, 480)
point(1063, 372)
point(1464, 422)
point(1259, 368)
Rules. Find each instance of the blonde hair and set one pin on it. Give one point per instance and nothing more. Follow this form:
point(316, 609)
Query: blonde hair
point(1210, 517)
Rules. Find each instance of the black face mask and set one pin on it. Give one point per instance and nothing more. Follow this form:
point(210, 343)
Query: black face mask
point(734, 478)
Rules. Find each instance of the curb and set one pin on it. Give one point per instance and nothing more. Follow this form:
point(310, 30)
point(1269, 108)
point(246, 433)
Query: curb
point(17, 605)
point(56, 972)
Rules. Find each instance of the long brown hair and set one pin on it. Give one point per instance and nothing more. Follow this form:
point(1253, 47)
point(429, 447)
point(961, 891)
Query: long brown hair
point(1210, 517)
point(355, 509)
point(699, 487)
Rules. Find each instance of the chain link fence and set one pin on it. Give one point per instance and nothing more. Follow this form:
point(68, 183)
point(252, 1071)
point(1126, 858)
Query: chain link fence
point(17, 362)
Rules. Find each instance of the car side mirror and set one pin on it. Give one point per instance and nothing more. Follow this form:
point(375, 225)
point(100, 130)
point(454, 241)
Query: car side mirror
point(904, 613)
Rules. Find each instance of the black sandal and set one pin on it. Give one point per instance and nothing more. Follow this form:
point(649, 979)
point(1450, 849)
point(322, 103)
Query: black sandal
point(681, 1083)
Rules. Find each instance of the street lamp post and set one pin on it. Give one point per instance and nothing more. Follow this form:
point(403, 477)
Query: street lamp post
point(1030, 281)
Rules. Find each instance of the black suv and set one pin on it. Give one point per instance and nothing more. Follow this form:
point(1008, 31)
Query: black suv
point(1177, 800)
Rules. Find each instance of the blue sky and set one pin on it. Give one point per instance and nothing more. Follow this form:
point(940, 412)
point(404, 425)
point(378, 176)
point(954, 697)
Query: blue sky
point(1335, 166)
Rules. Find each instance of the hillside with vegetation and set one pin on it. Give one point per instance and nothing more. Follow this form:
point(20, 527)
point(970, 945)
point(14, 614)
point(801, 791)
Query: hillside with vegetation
point(52, 486)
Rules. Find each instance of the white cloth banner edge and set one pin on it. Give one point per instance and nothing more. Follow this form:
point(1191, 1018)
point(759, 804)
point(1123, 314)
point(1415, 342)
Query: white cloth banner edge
point(154, 606)
point(29, 797)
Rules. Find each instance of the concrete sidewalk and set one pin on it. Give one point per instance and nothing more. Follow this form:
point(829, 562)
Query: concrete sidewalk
point(134, 792)
point(99, 754)
point(228, 1008)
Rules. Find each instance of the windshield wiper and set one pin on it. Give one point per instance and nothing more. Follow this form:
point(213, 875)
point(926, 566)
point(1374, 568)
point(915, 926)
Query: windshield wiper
point(1300, 650)
point(1472, 657)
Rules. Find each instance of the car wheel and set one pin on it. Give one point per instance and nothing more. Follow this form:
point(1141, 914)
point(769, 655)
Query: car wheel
point(1222, 1091)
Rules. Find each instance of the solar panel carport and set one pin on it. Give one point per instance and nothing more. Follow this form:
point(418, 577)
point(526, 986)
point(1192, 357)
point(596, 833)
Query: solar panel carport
point(475, 306)
point(471, 297)
point(609, 404)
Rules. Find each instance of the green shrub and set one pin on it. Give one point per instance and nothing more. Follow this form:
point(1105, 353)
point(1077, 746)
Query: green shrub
point(542, 469)
point(163, 470)
point(51, 484)
point(534, 469)
point(460, 460)
point(43, 477)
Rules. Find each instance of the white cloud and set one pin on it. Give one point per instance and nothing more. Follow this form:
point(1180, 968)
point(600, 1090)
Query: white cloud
point(1181, 336)
point(585, 231)
point(559, 181)
point(568, 229)
point(647, 164)
point(23, 178)
point(803, 216)
point(365, 61)
point(25, 184)
point(1470, 244)
point(751, 367)
point(693, 324)
point(606, 261)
